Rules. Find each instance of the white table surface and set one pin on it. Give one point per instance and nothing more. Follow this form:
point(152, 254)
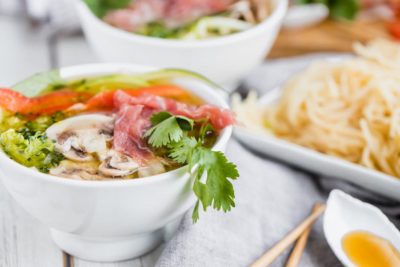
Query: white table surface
point(24, 241)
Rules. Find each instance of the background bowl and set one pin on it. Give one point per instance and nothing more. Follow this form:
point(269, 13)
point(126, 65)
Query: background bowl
point(226, 59)
point(109, 220)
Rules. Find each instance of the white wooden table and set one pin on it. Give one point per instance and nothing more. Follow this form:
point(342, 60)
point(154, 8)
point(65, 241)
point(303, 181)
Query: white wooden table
point(24, 241)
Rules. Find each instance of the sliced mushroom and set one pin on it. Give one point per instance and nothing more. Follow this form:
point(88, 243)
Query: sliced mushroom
point(262, 9)
point(153, 168)
point(243, 9)
point(117, 165)
point(79, 171)
point(79, 137)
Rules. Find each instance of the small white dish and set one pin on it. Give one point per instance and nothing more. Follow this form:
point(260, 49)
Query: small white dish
point(225, 60)
point(109, 220)
point(301, 16)
point(309, 159)
point(345, 214)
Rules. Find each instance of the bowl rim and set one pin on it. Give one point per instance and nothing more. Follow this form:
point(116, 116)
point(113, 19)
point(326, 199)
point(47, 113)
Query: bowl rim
point(102, 69)
point(277, 15)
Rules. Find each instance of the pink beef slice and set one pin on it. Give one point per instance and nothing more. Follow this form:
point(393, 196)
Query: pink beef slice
point(218, 117)
point(131, 124)
point(172, 12)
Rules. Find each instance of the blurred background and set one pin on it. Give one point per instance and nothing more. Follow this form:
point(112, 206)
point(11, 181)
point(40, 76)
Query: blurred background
point(47, 32)
point(43, 34)
point(38, 35)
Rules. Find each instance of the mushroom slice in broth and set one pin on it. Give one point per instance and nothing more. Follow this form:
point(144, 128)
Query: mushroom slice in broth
point(79, 138)
point(85, 141)
point(78, 170)
point(117, 165)
point(153, 168)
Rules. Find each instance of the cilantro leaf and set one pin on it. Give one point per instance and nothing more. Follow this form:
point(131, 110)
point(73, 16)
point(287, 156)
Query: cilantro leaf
point(338, 9)
point(211, 166)
point(101, 7)
point(211, 170)
point(344, 9)
point(182, 151)
point(160, 117)
point(217, 189)
point(167, 129)
point(195, 214)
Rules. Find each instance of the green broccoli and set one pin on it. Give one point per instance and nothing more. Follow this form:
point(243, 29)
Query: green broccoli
point(34, 151)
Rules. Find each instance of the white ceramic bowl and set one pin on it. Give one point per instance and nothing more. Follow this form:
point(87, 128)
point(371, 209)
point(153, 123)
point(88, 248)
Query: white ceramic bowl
point(225, 59)
point(109, 220)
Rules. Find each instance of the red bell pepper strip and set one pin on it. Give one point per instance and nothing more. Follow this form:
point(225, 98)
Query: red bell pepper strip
point(63, 99)
point(46, 104)
point(394, 28)
point(12, 100)
point(105, 100)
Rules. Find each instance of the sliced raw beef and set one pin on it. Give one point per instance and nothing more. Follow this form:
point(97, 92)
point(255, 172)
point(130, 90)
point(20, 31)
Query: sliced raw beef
point(131, 124)
point(172, 12)
point(133, 120)
point(219, 117)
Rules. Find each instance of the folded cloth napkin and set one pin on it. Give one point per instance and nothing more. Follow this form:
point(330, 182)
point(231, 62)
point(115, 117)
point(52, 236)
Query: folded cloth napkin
point(271, 197)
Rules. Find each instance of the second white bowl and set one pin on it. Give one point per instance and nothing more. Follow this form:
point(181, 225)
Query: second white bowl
point(226, 59)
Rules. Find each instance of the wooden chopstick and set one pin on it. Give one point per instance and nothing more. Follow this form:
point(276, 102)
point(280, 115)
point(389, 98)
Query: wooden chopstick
point(295, 256)
point(68, 260)
point(279, 247)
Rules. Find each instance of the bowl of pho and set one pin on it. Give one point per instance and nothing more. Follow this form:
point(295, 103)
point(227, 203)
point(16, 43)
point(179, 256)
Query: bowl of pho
point(111, 156)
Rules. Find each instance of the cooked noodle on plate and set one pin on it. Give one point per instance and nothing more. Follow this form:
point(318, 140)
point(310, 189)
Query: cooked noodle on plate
point(349, 109)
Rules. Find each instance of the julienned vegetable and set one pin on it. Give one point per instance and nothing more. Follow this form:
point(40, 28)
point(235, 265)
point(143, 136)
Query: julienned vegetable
point(182, 19)
point(119, 127)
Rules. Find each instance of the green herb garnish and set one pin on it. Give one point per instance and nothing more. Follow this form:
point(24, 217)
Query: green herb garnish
point(101, 7)
point(167, 129)
point(211, 170)
point(339, 9)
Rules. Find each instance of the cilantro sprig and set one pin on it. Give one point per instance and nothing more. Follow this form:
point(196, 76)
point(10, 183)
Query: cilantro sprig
point(338, 9)
point(101, 7)
point(167, 128)
point(211, 170)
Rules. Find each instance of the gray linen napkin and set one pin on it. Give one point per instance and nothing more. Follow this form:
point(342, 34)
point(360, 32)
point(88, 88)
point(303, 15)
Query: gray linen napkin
point(272, 198)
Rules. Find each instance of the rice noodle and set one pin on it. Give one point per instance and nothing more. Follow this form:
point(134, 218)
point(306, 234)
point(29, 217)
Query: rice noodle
point(349, 109)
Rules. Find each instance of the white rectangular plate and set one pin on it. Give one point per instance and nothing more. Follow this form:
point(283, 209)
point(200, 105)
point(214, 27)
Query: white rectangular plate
point(317, 162)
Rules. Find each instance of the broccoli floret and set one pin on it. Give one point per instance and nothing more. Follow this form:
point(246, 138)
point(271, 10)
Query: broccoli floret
point(40, 124)
point(34, 151)
point(8, 121)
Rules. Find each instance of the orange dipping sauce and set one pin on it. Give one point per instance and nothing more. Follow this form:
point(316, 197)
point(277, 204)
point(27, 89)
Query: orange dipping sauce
point(368, 250)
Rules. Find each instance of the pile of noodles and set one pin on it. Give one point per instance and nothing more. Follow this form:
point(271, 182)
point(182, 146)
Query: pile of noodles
point(349, 109)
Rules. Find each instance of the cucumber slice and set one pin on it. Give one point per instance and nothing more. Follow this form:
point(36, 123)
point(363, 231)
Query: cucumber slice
point(51, 80)
point(38, 83)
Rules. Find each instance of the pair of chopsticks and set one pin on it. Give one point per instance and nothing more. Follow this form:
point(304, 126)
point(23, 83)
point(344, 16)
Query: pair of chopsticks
point(300, 233)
